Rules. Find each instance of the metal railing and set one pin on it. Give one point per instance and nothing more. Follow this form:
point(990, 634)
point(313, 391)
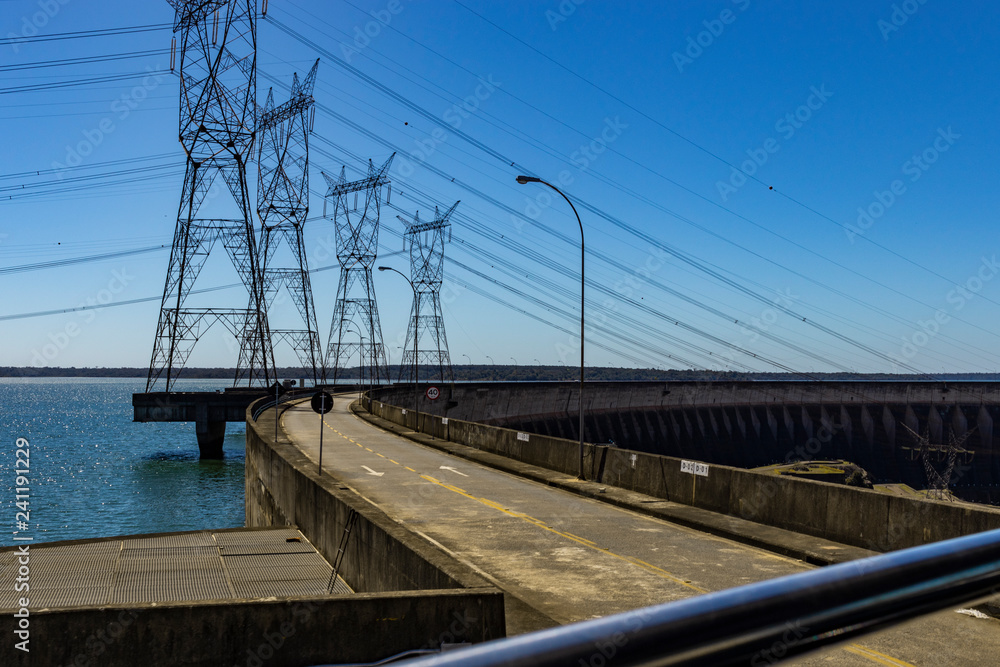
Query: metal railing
point(763, 623)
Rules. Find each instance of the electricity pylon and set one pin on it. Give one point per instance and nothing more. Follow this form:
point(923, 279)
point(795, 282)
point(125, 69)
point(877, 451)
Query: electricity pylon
point(426, 245)
point(357, 247)
point(283, 204)
point(218, 77)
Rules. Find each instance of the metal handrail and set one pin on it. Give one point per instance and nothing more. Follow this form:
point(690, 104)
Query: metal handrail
point(762, 623)
point(289, 395)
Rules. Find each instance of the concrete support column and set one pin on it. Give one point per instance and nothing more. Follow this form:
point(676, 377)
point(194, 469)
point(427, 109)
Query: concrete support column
point(211, 433)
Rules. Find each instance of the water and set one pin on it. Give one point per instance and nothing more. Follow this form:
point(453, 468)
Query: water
point(95, 473)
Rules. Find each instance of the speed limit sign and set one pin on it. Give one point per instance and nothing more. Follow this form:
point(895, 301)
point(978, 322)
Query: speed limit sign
point(433, 393)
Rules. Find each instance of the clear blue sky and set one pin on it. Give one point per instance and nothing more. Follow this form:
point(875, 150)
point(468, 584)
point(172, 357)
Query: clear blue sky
point(655, 111)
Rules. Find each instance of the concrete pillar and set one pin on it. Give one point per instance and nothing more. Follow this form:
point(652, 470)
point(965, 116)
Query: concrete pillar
point(210, 438)
point(210, 433)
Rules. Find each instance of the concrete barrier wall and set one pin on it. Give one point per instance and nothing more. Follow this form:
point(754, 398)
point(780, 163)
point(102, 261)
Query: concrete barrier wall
point(849, 515)
point(276, 633)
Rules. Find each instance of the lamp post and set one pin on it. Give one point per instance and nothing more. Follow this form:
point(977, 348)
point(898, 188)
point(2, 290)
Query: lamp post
point(470, 362)
point(532, 179)
point(493, 367)
point(515, 367)
point(416, 336)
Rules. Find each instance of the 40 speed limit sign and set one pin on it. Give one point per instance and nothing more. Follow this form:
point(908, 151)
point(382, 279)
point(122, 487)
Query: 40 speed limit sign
point(433, 393)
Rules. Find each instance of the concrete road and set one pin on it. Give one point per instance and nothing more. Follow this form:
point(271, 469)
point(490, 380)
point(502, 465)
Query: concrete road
point(573, 558)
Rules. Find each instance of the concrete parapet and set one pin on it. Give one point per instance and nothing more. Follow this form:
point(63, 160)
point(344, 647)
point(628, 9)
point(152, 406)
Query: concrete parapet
point(279, 633)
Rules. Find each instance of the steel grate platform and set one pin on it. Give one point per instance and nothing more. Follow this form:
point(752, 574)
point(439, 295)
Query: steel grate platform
point(183, 567)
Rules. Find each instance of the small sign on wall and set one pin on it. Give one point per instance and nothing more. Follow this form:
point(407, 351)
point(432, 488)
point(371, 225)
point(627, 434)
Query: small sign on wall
point(444, 421)
point(694, 468)
point(523, 437)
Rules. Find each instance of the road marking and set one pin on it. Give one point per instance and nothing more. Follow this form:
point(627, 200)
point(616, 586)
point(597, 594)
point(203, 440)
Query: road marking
point(875, 656)
point(396, 462)
point(649, 567)
point(454, 471)
point(372, 472)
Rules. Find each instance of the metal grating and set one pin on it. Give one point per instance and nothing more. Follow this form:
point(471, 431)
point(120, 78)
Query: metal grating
point(259, 536)
point(267, 589)
point(277, 567)
point(171, 568)
point(198, 539)
point(171, 553)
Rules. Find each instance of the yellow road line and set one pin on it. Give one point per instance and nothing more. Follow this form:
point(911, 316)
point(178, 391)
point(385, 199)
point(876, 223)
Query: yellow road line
point(587, 543)
point(875, 656)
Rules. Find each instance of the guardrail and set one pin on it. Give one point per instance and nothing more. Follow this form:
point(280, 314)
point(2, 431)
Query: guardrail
point(763, 623)
point(271, 401)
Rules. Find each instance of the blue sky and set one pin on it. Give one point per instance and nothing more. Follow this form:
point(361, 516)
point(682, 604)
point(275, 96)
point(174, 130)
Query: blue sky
point(783, 185)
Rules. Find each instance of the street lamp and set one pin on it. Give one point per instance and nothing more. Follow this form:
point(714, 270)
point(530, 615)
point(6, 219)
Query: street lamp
point(493, 367)
point(532, 179)
point(470, 362)
point(515, 367)
point(416, 335)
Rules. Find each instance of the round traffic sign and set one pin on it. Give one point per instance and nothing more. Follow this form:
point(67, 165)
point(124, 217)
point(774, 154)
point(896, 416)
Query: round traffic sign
point(433, 393)
point(321, 402)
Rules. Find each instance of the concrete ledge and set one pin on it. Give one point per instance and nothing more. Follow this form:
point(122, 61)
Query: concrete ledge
point(280, 633)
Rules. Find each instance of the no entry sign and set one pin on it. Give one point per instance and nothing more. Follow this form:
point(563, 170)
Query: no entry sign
point(322, 402)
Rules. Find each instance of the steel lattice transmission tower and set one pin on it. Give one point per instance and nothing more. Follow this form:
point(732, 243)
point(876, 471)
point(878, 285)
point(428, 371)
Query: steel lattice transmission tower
point(282, 204)
point(357, 246)
point(426, 244)
point(217, 112)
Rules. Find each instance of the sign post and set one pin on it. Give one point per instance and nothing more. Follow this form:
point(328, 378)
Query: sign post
point(321, 403)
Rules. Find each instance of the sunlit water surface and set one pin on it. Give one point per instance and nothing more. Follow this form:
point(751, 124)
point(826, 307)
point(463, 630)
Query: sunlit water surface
point(95, 473)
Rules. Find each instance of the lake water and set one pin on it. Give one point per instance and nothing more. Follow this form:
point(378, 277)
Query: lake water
point(95, 473)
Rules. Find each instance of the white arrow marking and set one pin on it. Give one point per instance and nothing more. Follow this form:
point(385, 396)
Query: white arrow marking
point(453, 470)
point(372, 472)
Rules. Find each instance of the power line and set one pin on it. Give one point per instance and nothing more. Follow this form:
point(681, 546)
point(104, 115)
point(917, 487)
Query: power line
point(71, 83)
point(83, 60)
point(83, 34)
